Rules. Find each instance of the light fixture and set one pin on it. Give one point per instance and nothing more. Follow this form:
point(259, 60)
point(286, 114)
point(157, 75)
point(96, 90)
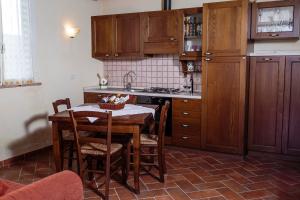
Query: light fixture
point(71, 31)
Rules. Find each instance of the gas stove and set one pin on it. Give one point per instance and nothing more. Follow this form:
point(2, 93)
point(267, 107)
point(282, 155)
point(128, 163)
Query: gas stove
point(162, 90)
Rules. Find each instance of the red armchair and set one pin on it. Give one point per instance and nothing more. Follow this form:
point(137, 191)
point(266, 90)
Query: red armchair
point(60, 186)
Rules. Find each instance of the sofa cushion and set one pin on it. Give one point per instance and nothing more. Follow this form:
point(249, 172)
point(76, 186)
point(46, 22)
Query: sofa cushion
point(3, 188)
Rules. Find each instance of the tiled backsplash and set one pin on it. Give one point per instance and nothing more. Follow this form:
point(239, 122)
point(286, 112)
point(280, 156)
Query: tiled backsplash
point(158, 71)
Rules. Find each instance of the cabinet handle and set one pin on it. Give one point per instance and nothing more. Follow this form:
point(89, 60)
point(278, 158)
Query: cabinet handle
point(116, 55)
point(172, 39)
point(185, 101)
point(106, 55)
point(267, 59)
point(183, 54)
point(207, 59)
point(274, 35)
point(185, 113)
point(208, 53)
point(185, 137)
point(99, 95)
point(185, 125)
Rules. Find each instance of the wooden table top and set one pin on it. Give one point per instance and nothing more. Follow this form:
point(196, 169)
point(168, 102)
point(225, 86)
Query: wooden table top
point(138, 119)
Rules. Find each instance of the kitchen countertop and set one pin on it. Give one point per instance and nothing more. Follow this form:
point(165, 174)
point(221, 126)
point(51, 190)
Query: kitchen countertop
point(196, 95)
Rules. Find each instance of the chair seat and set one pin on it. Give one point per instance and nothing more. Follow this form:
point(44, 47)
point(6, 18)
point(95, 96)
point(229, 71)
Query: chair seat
point(148, 139)
point(99, 149)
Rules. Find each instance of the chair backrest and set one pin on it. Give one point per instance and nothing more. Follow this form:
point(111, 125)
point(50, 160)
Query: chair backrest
point(80, 123)
point(61, 102)
point(162, 123)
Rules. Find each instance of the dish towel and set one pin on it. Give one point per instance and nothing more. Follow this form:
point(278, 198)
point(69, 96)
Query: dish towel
point(129, 109)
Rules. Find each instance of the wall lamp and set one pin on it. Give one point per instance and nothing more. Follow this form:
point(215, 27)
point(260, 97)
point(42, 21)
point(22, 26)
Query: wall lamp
point(71, 31)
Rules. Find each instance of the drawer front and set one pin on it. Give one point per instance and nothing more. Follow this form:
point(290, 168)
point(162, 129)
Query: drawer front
point(182, 114)
point(186, 126)
point(90, 97)
point(187, 141)
point(186, 105)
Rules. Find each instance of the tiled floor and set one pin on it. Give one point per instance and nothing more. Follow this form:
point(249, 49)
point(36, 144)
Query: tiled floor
point(191, 175)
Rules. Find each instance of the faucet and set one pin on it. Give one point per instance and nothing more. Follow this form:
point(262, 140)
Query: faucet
point(126, 83)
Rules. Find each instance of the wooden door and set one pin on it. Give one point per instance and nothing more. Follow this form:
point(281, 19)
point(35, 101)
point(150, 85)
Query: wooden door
point(223, 111)
point(225, 28)
point(266, 103)
point(128, 38)
point(160, 32)
point(103, 36)
point(291, 127)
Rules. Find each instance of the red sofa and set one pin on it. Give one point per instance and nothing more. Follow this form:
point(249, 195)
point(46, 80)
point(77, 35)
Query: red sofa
point(60, 186)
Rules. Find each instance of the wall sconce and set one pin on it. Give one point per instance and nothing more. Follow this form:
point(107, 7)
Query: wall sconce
point(71, 31)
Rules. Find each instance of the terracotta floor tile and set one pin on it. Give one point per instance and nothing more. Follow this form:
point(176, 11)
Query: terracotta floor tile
point(211, 185)
point(203, 194)
point(233, 185)
point(229, 194)
point(177, 194)
point(186, 186)
point(214, 178)
point(256, 194)
point(193, 178)
point(260, 185)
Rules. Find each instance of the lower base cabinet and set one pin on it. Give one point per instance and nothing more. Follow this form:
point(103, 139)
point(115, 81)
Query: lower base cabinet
point(274, 106)
point(186, 118)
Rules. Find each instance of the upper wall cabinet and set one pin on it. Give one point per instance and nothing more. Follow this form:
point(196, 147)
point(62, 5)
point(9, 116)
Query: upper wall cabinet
point(276, 20)
point(225, 28)
point(160, 32)
point(190, 33)
point(116, 36)
point(102, 36)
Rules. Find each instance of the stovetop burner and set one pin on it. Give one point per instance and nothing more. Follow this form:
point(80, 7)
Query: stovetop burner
point(162, 90)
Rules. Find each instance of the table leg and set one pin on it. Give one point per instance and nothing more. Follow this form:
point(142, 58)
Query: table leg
point(56, 146)
point(136, 158)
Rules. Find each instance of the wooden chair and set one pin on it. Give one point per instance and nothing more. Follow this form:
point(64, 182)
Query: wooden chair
point(154, 143)
point(99, 149)
point(67, 136)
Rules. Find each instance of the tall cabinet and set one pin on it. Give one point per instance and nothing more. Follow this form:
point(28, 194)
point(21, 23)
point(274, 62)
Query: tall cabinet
point(224, 74)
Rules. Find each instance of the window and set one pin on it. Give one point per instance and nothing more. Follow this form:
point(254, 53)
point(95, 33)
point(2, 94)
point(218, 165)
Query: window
point(15, 41)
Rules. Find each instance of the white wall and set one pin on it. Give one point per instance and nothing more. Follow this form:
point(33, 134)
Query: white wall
point(63, 65)
point(124, 6)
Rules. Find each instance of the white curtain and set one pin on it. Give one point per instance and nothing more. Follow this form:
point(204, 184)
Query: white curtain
point(17, 58)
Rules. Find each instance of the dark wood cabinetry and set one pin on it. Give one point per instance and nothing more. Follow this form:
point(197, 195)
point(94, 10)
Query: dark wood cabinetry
point(225, 28)
point(102, 36)
point(160, 30)
point(276, 20)
point(186, 120)
point(223, 110)
point(116, 36)
point(266, 103)
point(291, 127)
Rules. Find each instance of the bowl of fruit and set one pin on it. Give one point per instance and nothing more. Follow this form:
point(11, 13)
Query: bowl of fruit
point(114, 102)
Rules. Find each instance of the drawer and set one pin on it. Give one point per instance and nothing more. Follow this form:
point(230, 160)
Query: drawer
point(187, 141)
point(90, 97)
point(186, 105)
point(181, 114)
point(192, 127)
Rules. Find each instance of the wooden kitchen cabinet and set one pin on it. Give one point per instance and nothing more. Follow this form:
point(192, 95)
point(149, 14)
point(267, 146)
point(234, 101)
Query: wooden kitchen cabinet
point(225, 28)
point(266, 103)
point(291, 122)
point(116, 36)
point(102, 36)
point(160, 29)
point(276, 20)
point(186, 122)
point(223, 104)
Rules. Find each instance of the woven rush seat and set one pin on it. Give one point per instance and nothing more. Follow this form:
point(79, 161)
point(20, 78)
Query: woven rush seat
point(148, 139)
point(99, 149)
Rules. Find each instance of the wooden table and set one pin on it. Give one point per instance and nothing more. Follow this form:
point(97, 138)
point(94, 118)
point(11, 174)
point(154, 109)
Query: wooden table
point(128, 124)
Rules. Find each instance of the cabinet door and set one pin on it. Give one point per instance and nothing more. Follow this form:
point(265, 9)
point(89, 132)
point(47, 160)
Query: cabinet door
point(266, 103)
point(160, 32)
point(291, 130)
point(223, 111)
point(225, 27)
point(102, 36)
point(128, 39)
